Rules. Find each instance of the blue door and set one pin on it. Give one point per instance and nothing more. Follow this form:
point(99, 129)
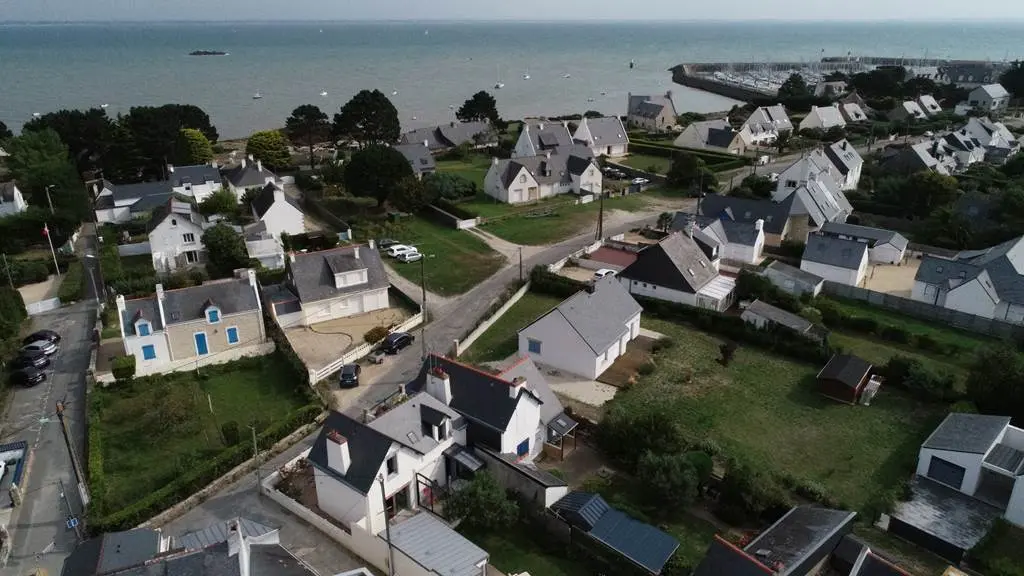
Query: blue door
point(201, 348)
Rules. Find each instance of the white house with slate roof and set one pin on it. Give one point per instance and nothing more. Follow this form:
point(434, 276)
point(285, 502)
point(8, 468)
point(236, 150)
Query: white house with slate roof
point(216, 322)
point(538, 137)
point(715, 135)
point(331, 284)
point(681, 269)
point(852, 112)
point(11, 200)
point(586, 332)
point(823, 118)
point(847, 163)
point(123, 202)
point(792, 280)
point(175, 236)
point(198, 182)
point(907, 110)
point(999, 143)
point(531, 178)
point(928, 103)
point(989, 98)
point(816, 188)
point(741, 242)
point(655, 113)
point(418, 155)
point(884, 246)
point(278, 211)
point(980, 456)
point(604, 136)
point(766, 122)
point(248, 174)
point(987, 283)
point(835, 259)
point(476, 134)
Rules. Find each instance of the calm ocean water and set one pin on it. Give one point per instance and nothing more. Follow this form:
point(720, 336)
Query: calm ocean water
point(431, 65)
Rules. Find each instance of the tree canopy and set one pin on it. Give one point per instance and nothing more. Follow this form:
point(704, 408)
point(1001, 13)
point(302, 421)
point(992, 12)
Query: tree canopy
point(1013, 79)
point(794, 88)
point(689, 172)
point(87, 134)
point(482, 504)
point(270, 147)
point(155, 132)
point(225, 251)
point(193, 147)
point(368, 118)
point(221, 202)
point(449, 186)
point(481, 106)
point(409, 195)
point(307, 126)
point(995, 382)
point(39, 159)
point(376, 171)
point(5, 132)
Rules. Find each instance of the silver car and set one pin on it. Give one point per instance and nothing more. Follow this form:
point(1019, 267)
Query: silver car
point(46, 347)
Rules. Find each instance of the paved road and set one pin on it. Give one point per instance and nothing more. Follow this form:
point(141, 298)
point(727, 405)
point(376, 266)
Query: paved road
point(40, 538)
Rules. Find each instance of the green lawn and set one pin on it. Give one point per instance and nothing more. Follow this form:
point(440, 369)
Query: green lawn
point(645, 162)
point(455, 261)
point(473, 168)
point(1001, 552)
point(766, 410)
point(501, 340)
point(878, 352)
point(154, 429)
point(514, 551)
point(564, 222)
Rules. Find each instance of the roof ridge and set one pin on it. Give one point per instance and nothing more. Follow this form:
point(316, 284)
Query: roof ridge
point(742, 552)
point(470, 367)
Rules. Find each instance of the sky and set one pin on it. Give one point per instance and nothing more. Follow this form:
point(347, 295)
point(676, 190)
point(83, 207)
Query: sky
point(239, 10)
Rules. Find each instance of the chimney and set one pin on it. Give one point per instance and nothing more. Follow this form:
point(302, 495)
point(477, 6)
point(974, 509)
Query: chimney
point(494, 161)
point(238, 545)
point(243, 164)
point(338, 456)
point(170, 168)
point(845, 143)
point(439, 385)
point(759, 224)
point(547, 154)
point(278, 194)
point(540, 126)
point(214, 164)
point(159, 291)
point(691, 228)
point(518, 385)
point(355, 252)
point(259, 165)
point(668, 94)
point(251, 159)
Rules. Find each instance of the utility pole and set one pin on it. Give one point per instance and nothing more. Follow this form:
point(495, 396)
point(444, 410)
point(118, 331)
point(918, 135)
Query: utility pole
point(520, 265)
point(256, 459)
point(600, 216)
point(423, 312)
point(48, 200)
point(7, 268)
point(387, 527)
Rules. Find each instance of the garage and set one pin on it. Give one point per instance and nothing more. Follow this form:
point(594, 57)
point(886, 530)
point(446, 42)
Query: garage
point(946, 472)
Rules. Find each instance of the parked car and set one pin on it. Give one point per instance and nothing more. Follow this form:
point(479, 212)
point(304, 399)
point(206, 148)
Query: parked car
point(397, 249)
point(27, 376)
point(763, 160)
point(396, 341)
point(385, 243)
point(411, 256)
point(48, 335)
point(603, 272)
point(640, 181)
point(43, 346)
point(349, 376)
point(30, 360)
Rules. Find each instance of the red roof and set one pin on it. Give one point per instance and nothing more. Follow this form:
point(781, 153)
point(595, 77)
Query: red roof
point(613, 256)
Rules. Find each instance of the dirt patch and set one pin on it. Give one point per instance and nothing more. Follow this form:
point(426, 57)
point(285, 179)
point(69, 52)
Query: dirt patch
point(892, 279)
point(40, 291)
point(625, 367)
point(320, 344)
point(109, 349)
point(577, 273)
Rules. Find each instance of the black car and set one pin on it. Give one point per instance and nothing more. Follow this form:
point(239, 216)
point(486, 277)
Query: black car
point(395, 341)
point(30, 360)
point(27, 376)
point(47, 335)
point(386, 243)
point(349, 377)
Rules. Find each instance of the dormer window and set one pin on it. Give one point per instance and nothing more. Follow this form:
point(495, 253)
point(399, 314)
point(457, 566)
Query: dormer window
point(142, 328)
point(174, 221)
point(213, 315)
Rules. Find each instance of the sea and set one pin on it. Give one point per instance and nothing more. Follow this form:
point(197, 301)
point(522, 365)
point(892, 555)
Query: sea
point(427, 68)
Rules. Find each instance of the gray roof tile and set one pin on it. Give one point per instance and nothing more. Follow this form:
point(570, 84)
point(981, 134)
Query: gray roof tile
point(797, 275)
point(438, 548)
point(220, 532)
point(198, 174)
point(800, 534)
point(403, 423)
point(834, 251)
point(947, 514)
point(775, 215)
point(265, 199)
point(731, 231)
point(779, 316)
point(970, 433)
point(232, 296)
point(525, 368)
point(367, 449)
point(599, 317)
point(876, 236)
point(606, 131)
point(846, 369)
point(247, 174)
point(418, 155)
point(998, 265)
point(675, 262)
point(311, 275)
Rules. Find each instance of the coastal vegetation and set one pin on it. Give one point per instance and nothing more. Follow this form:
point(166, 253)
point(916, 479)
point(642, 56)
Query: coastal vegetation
point(194, 147)
point(269, 147)
point(369, 118)
point(481, 106)
point(307, 126)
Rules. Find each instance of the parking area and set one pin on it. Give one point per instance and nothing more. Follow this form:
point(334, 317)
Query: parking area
point(577, 273)
point(320, 344)
point(892, 279)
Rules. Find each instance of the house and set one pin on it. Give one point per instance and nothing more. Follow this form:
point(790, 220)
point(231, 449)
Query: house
point(766, 122)
point(604, 136)
point(990, 98)
point(852, 112)
point(846, 162)
point(11, 200)
point(679, 269)
point(835, 259)
point(237, 546)
point(279, 212)
point(248, 174)
point(543, 137)
point(215, 322)
point(715, 135)
point(928, 103)
point(330, 284)
point(653, 113)
point(775, 218)
point(741, 242)
point(907, 111)
point(475, 134)
point(198, 182)
point(847, 378)
point(823, 118)
point(999, 143)
point(532, 178)
point(985, 283)
point(800, 543)
point(555, 430)
point(965, 149)
point(829, 89)
point(792, 280)
point(815, 196)
point(642, 545)
point(934, 156)
point(175, 231)
point(117, 203)
point(967, 74)
point(763, 315)
point(884, 246)
point(586, 332)
point(419, 157)
point(264, 246)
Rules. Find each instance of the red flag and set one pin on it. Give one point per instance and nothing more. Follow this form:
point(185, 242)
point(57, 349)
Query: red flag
point(46, 230)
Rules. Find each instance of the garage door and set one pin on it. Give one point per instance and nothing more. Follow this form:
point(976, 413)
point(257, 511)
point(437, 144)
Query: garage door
point(946, 472)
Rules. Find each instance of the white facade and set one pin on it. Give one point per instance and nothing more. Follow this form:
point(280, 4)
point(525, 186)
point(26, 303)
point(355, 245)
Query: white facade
point(836, 273)
point(990, 98)
point(886, 254)
point(823, 118)
point(583, 134)
point(561, 345)
point(590, 181)
point(524, 187)
point(719, 298)
point(282, 216)
point(344, 306)
point(134, 345)
point(11, 200)
point(176, 240)
point(744, 253)
point(268, 251)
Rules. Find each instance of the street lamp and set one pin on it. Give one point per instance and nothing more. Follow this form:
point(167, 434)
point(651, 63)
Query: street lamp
point(48, 199)
point(92, 278)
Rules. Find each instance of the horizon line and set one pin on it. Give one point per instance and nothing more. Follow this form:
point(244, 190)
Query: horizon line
point(596, 20)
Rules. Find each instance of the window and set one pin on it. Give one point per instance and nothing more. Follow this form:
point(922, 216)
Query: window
point(191, 257)
point(790, 183)
point(522, 178)
point(174, 222)
point(188, 238)
point(213, 315)
point(148, 352)
point(232, 335)
point(533, 345)
point(143, 328)
point(393, 465)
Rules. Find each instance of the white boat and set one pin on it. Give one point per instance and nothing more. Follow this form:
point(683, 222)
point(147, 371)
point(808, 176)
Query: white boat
point(36, 114)
point(526, 76)
point(324, 93)
point(499, 84)
point(394, 92)
point(414, 118)
point(567, 76)
point(604, 93)
point(257, 96)
point(104, 105)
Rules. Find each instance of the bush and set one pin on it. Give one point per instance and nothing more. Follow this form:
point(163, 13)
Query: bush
point(71, 286)
point(229, 430)
point(927, 342)
point(625, 433)
point(375, 334)
point(911, 375)
point(646, 369)
point(123, 368)
point(543, 281)
point(12, 312)
point(896, 334)
point(749, 495)
point(702, 463)
point(25, 272)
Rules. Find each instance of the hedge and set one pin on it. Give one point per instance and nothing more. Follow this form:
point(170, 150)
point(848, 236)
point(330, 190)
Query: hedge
point(455, 210)
point(835, 317)
point(12, 312)
point(71, 284)
point(910, 374)
point(545, 282)
point(123, 367)
point(188, 484)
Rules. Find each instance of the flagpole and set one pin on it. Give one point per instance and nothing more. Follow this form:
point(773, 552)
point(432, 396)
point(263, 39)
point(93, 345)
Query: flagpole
point(46, 232)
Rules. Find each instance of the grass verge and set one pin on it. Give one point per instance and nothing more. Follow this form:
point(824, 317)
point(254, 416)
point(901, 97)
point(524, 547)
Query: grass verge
point(646, 162)
point(564, 221)
point(455, 260)
point(501, 340)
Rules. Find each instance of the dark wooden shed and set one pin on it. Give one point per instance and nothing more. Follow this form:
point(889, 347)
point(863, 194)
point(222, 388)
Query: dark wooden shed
point(844, 378)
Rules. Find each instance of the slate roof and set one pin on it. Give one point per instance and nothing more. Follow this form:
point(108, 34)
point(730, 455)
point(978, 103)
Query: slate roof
point(779, 316)
point(722, 558)
point(599, 316)
point(450, 135)
point(846, 369)
point(994, 90)
point(836, 252)
point(819, 194)
point(525, 368)
point(996, 267)
point(969, 433)
point(554, 136)
point(910, 109)
point(7, 191)
point(262, 202)
point(1006, 457)
point(247, 174)
point(231, 296)
point(723, 230)
point(438, 548)
point(714, 133)
point(311, 275)
point(852, 112)
point(828, 115)
point(403, 422)
point(945, 513)
point(418, 156)
point(141, 308)
point(843, 156)
point(769, 118)
point(928, 103)
point(150, 203)
point(112, 552)
point(649, 109)
point(675, 262)
point(558, 168)
point(876, 236)
point(219, 532)
point(198, 174)
point(798, 534)
point(367, 449)
point(122, 192)
point(606, 131)
point(775, 215)
point(638, 542)
point(801, 276)
point(173, 207)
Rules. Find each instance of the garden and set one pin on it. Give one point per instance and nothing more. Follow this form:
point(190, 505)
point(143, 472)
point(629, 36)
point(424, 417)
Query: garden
point(455, 260)
point(541, 225)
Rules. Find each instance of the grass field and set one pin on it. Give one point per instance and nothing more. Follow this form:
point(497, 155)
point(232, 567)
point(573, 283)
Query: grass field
point(565, 222)
point(473, 168)
point(766, 411)
point(152, 431)
point(878, 352)
point(645, 162)
point(514, 551)
point(501, 340)
point(455, 260)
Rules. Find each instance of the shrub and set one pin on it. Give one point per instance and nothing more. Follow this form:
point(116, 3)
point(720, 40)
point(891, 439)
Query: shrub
point(911, 375)
point(627, 432)
point(702, 463)
point(751, 495)
point(896, 334)
point(375, 334)
point(71, 284)
point(543, 281)
point(123, 368)
point(229, 430)
point(709, 447)
point(861, 324)
point(965, 406)
point(646, 369)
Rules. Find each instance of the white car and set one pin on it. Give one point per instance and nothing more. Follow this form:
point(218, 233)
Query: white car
point(397, 249)
point(603, 272)
point(640, 181)
point(410, 256)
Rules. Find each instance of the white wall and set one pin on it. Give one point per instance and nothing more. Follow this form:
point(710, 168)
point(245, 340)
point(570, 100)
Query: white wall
point(561, 346)
point(970, 462)
point(1015, 509)
point(200, 191)
point(116, 215)
point(930, 293)
point(591, 180)
point(133, 345)
point(886, 253)
point(659, 292)
point(283, 217)
point(1010, 312)
point(167, 240)
point(523, 425)
point(340, 501)
point(971, 297)
point(836, 274)
point(344, 306)
point(744, 253)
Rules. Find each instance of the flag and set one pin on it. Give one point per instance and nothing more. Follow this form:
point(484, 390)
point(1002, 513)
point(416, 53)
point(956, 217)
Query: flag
point(46, 231)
